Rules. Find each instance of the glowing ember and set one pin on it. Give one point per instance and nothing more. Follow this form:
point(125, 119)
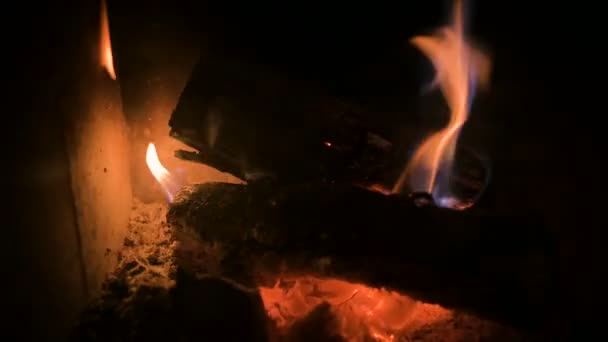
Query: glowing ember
point(362, 311)
point(105, 46)
point(458, 68)
point(168, 183)
point(379, 188)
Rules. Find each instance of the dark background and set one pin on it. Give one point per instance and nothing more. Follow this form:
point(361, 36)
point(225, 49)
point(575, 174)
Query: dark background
point(540, 122)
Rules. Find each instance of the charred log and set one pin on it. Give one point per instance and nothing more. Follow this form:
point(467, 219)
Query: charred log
point(494, 266)
point(253, 118)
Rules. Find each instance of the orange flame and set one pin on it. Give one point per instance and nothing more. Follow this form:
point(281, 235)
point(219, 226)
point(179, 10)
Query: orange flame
point(105, 45)
point(458, 66)
point(167, 182)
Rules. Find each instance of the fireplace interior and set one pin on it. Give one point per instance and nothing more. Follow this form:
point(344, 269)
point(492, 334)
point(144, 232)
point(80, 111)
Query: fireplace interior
point(224, 171)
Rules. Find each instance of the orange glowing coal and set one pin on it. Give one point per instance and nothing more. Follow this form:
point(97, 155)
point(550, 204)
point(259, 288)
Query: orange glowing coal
point(362, 312)
point(168, 183)
point(458, 67)
point(105, 45)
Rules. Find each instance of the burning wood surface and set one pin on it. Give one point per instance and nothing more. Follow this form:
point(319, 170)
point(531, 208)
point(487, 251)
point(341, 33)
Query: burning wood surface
point(349, 254)
point(151, 296)
point(294, 239)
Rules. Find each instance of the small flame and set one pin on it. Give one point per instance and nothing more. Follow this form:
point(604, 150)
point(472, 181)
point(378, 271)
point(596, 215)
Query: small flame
point(105, 45)
point(458, 67)
point(167, 182)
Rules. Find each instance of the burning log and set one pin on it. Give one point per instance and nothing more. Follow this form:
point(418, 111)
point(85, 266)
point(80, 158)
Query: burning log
point(255, 121)
point(496, 266)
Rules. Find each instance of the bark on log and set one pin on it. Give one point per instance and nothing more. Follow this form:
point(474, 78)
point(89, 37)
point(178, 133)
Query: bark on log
point(497, 267)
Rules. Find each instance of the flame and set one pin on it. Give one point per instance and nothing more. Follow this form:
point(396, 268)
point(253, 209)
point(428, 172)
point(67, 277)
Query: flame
point(361, 311)
point(105, 45)
point(458, 67)
point(168, 183)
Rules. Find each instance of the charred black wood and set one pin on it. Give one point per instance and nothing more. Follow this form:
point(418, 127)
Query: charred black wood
point(497, 267)
point(214, 158)
point(258, 120)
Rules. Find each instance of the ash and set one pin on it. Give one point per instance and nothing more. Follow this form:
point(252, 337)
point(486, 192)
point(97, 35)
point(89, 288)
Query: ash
point(147, 255)
point(148, 298)
point(144, 274)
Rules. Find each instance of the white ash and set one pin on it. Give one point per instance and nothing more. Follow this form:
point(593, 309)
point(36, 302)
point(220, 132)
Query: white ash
point(147, 254)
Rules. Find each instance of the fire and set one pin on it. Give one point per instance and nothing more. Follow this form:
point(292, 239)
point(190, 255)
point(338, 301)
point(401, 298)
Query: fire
point(168, 183)
point(361, 311)
point(365, 313)
point(105, 45)
point(458, 68)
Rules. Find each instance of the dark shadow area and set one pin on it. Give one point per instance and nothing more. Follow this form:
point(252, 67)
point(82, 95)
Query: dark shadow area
point(208, 308)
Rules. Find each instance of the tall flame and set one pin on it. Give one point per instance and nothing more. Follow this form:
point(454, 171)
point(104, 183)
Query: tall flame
point(105, 46)
point(458, 68)
point(168, 183)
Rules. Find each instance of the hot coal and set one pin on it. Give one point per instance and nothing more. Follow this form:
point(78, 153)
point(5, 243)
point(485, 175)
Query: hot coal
point(496, 266)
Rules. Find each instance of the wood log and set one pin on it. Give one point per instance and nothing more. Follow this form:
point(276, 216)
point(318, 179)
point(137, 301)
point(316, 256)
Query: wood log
point(248, 117)
point(499, 267)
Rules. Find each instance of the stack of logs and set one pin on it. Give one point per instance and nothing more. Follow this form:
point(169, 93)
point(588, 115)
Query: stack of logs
point(498, 267)
point(301, 150)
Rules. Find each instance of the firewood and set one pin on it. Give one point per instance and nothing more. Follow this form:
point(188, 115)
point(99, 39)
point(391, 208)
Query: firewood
point(496, 267)
point(246, 118)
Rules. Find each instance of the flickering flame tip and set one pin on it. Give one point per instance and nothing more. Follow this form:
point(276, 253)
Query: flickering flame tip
point(105, 45)
point(458, 68)
point(168, 182)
